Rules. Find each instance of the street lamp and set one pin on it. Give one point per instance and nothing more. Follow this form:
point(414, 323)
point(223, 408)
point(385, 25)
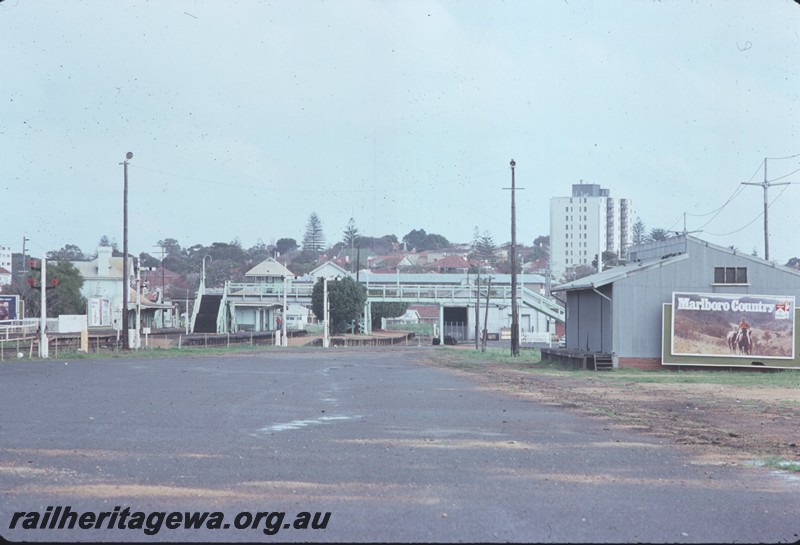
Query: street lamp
point(514, 311)
point(125, 282)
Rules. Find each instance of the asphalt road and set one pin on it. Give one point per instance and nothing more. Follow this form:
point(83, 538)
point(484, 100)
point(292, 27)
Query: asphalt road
point(394, 449)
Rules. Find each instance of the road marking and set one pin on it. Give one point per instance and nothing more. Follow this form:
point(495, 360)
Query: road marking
point(298, 424)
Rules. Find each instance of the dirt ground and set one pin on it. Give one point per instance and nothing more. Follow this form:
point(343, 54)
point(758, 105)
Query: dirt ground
point(728, 423)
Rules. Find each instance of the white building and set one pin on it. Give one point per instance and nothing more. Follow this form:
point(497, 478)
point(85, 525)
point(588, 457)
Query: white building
point(5, 265)
point(102, 287)
point(586, 224)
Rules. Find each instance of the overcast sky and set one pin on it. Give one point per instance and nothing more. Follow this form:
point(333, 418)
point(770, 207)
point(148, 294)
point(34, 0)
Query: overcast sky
point(245, 117)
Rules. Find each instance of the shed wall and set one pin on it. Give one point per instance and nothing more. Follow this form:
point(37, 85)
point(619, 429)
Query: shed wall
point(638, 299)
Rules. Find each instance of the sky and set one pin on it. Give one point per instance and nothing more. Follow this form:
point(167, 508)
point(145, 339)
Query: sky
point(245, 117)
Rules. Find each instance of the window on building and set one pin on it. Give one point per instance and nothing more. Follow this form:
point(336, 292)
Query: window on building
point(730, 275)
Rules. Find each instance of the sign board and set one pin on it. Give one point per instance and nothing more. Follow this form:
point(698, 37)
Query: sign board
point(733, 325)
point(99, 312)
point(8, 307)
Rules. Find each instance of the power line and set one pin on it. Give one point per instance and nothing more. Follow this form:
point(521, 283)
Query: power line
point(752, 220)
point(735, 193)
point(405, 187)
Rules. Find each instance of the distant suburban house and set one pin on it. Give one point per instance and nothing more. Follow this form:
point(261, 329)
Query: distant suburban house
point(392, 262)
point(328, 270)
point(247, 308)
point(449, 264)
point(268, 271)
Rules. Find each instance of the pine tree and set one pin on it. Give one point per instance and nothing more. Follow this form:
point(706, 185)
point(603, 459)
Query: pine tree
point(351, 233)
point(314, 239)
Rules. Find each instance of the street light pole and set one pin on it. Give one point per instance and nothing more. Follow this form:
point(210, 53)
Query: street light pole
point(125, 282)
point(326, 314)
point(514, 311)
point(44, 346)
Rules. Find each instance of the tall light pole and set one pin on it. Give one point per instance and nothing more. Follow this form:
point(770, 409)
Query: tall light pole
point(44, 346)
point(125, 283)
point(326, 314)
point(514, 311)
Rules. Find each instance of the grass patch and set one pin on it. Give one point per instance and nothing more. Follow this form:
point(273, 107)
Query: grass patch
point(774, 379)
point(776, 462)
point(530, 360)
point(150, 353)
point(469, 357)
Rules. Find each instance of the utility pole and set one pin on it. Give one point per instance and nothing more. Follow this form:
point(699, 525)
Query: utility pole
point(44, 347)
point(514, 311)
point(137, 339)
point(766, 184)
point(284, 340)
point(486, 317)
point(326, 314)
point(125, 281)
point(24, 259)
point(478, 307)
point(162, 270)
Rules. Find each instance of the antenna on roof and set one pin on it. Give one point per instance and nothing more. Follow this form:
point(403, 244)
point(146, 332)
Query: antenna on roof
point(685, 232)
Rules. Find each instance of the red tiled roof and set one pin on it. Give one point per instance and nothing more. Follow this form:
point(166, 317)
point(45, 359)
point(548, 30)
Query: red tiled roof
point(426, 312)
point(450, 262)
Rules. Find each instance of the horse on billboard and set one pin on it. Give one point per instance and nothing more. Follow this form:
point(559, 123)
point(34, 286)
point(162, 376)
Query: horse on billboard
point(732, 339)
point(744, 341)
point(740, 341)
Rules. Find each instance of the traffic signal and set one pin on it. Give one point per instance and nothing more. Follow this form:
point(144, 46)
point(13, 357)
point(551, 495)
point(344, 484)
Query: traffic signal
point(36, 265)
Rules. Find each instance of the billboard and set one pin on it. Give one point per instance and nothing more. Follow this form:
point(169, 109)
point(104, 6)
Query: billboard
point(99, 312)
point(8, 307)
point(733, 325)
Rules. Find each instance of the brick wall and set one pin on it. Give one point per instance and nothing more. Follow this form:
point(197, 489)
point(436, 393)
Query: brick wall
point(649, 364)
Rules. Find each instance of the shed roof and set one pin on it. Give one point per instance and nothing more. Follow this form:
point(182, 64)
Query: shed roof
point(614, 274)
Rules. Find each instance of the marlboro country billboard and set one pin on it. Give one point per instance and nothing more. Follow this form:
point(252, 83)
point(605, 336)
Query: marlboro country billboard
point(713, 324)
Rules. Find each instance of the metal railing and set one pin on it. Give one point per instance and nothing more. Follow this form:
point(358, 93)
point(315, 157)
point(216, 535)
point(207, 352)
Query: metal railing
point(12, 329)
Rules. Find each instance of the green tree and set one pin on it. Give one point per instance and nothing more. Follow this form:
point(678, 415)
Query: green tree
point(286, 245)
point(70, 252)
point(386, 310)
point(351, 234)
point(541, 248)
point(610, 259)
point(638, 231)
point(346, 299)
point(657, 233)
point(304, 262)
point(314, 238)
point(414, 238)
point(258, 252)
point(106, 242)
point(485, 248)
point(420, 240)
point(64, 298)
point(377, 246)
point(172, 247)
